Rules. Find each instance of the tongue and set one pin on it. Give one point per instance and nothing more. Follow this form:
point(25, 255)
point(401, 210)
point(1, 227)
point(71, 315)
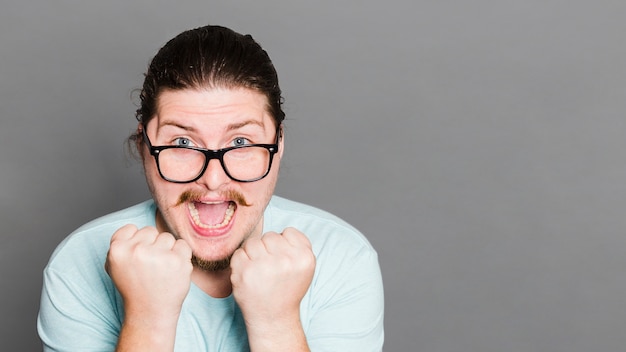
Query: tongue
point(212, 214)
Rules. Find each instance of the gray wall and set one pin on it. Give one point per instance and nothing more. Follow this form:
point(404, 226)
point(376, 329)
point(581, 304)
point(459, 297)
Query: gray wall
point(480, 146)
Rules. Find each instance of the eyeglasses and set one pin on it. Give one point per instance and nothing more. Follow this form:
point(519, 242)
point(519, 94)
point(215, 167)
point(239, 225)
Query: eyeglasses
point(242, 163)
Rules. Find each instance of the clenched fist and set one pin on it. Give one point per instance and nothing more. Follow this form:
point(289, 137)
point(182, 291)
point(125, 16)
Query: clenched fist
point(270, 276)
point(151, 270)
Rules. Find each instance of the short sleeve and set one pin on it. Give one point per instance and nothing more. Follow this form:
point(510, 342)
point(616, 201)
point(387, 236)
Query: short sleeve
point(73, 317)
point(347, 305)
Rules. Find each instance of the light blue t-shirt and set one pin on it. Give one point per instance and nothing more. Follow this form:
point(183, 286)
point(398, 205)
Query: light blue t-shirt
point(81, 309)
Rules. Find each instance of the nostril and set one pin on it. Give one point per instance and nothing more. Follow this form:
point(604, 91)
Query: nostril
point(214, 175)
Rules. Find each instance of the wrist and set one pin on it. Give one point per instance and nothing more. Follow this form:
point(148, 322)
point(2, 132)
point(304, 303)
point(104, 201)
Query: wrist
point(281, 333)
point(143, 332)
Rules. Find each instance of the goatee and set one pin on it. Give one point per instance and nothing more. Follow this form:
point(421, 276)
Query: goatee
point(211, 265)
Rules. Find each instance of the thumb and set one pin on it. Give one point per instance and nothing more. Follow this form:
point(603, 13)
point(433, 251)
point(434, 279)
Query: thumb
point(182, 248)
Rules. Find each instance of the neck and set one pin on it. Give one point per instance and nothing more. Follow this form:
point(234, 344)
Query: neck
point(216, 283)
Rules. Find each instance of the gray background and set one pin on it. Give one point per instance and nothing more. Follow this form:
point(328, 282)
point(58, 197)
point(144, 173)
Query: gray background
point(479, 145)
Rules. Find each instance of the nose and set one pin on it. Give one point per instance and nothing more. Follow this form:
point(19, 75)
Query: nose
point(214, 176)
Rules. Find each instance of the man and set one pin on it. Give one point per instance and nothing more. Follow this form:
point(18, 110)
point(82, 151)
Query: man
point(214, 262)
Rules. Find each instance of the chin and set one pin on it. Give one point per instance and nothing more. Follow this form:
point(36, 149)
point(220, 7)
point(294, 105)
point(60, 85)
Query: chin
point(211, 265)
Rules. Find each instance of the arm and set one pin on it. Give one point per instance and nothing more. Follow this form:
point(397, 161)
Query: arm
point(270, 276)
point(75, 313)
point(345, 306)
point(152, 272)
point(80, 309)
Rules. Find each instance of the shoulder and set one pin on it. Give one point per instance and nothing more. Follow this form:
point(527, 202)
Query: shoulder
point(138, 213)
point(91, 240)
point(323, 228)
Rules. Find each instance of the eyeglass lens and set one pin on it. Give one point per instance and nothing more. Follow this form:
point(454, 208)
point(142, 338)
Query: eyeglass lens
point(244, 164)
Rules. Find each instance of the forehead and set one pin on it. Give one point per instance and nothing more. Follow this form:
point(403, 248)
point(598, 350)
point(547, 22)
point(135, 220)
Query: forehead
point(215, 107)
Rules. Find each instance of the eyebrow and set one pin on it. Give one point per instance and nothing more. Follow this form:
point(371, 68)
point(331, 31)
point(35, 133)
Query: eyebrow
point(230, 127)
point(238, 125)
point(177, 125)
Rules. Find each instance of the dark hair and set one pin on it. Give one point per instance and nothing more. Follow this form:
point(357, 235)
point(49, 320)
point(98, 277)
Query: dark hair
point(209, 57)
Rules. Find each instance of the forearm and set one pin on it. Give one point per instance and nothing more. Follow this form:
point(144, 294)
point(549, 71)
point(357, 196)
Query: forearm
point(282, 334)
point(270, 276)
point(139, 334)
point(152, 272)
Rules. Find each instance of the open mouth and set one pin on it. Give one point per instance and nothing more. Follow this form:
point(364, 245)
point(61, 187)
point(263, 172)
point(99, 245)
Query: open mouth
point(212, 215)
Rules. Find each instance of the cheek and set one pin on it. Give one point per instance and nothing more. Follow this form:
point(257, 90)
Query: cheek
point(151, 172)
point(259, 193)
point(164, 193)
point(269, 184)
point(151, 175)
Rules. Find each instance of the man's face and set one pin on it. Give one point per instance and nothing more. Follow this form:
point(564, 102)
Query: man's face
point(214, 214)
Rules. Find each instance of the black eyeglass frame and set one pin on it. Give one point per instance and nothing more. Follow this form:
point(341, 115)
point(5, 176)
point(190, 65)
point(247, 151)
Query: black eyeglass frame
point(210, 154)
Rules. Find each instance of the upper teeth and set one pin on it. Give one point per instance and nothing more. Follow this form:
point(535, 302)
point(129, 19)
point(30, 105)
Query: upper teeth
point(196, 217)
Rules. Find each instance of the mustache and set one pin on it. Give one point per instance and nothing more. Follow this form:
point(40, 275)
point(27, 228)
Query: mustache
point(193, 196)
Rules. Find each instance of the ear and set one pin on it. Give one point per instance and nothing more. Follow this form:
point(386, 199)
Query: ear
point(139, 142)
point(281, 141)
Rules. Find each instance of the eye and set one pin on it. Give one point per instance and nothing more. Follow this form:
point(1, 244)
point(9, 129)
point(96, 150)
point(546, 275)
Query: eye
point(183, 142)
point(239, 141)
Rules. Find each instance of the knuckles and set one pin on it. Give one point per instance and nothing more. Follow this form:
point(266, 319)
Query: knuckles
point(146, 245)
point(274, 255)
